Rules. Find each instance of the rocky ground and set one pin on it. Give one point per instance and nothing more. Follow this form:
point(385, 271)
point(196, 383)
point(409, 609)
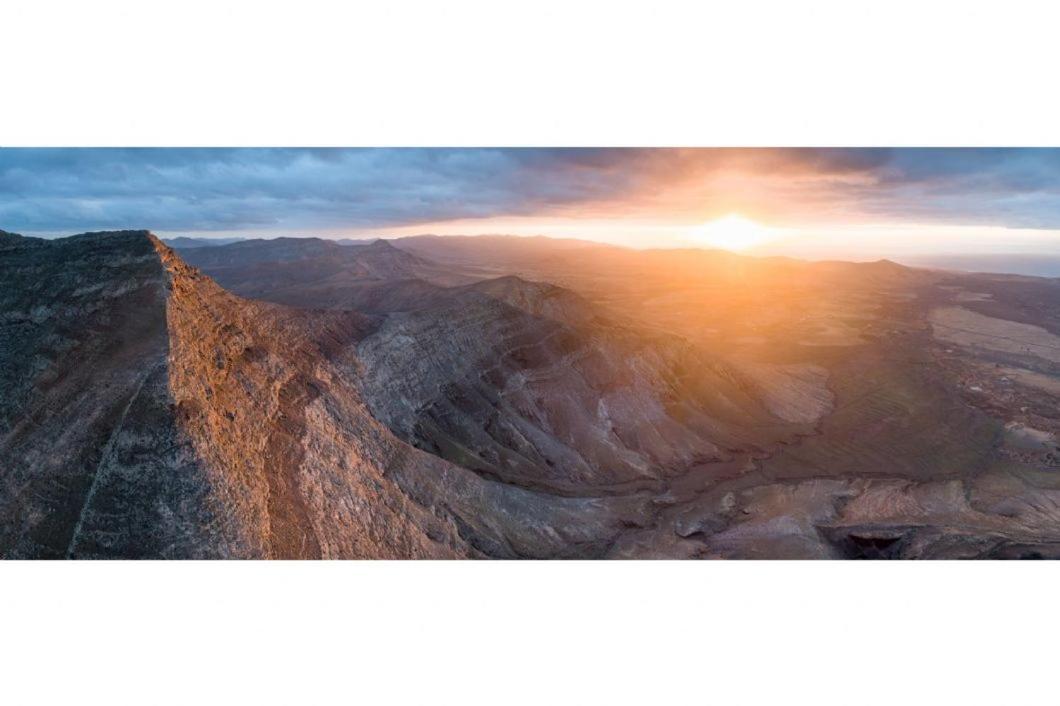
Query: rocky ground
point(519, 398)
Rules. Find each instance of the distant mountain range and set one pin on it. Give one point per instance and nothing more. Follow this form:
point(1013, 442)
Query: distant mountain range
point(1034, 265)
point(1031, 264)
point(185, 242)
point(188, 243)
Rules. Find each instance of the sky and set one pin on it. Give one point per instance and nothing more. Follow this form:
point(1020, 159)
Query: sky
point(841, 203)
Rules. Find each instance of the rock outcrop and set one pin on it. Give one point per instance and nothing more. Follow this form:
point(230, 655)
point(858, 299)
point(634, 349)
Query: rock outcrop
point(146, 412)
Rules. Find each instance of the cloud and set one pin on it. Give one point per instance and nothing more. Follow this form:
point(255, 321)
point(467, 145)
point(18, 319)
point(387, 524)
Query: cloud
point(256, 190)
point(221, 189)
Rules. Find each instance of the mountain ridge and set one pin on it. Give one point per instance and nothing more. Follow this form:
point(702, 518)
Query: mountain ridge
point(232, 429)
point(770, 409)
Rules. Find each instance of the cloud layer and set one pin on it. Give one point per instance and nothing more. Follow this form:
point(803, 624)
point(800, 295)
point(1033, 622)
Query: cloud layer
point(261, 190)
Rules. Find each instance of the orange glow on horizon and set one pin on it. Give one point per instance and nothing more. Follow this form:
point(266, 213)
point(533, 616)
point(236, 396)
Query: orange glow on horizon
point(733, 232)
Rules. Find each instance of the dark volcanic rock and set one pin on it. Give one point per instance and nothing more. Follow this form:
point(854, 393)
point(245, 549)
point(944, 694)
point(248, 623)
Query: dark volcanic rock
point(84, 401)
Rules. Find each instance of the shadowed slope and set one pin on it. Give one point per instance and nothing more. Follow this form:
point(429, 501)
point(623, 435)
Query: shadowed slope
point(529, 383)
point(93, 460)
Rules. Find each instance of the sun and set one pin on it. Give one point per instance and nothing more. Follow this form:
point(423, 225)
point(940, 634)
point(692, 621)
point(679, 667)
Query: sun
point(733, 232)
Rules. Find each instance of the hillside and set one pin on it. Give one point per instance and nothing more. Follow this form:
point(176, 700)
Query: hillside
point(741, 408)
point(153, 414)
point(528, 382)
point(312, 272)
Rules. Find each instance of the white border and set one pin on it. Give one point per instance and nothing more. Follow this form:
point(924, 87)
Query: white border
point(547, 73)
point(529, 633)
point(552, 72)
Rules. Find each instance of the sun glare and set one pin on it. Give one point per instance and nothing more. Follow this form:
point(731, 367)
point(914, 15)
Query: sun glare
point(732, 232)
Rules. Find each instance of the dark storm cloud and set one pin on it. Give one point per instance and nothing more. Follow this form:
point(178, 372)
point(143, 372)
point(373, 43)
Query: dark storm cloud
point(44, 190)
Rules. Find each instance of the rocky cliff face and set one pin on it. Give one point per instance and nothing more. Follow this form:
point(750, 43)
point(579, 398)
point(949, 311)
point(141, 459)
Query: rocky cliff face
point(258, 398)
point(94, 463)
point(146, 412)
